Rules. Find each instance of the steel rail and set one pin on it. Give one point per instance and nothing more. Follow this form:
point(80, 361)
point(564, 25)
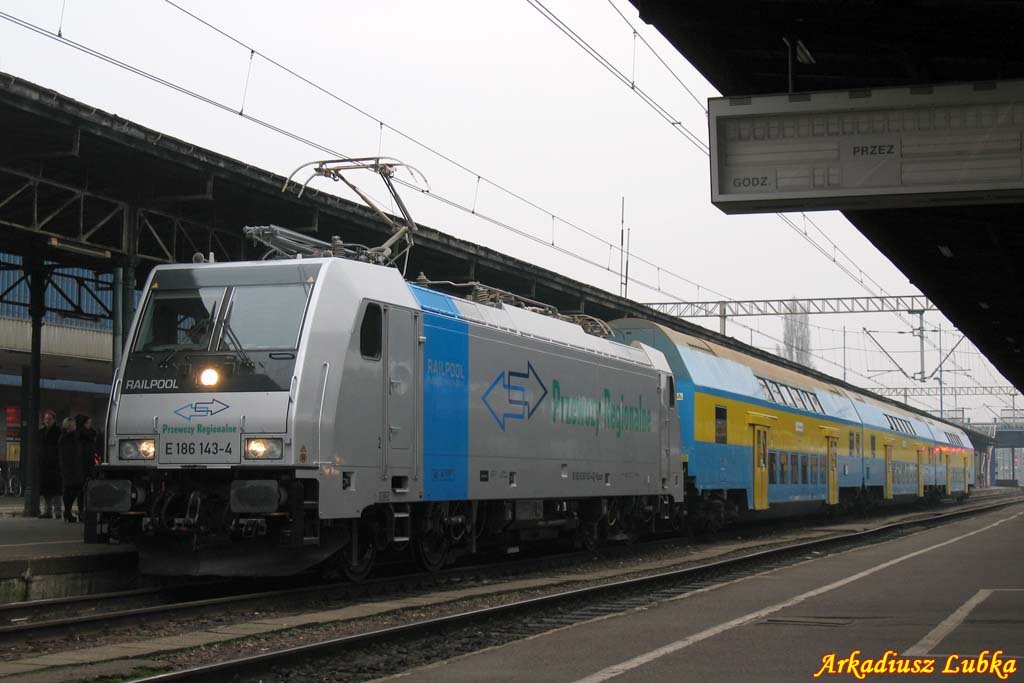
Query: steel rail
point(372, 587)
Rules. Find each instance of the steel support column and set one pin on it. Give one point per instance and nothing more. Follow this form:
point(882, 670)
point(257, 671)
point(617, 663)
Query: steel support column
point(117, 318)
point(127, 300)
point(131, 247)
point(29, 458)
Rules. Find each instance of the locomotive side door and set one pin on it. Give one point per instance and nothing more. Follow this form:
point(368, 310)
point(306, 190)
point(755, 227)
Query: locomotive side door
point(760, 467)
point(888, 471)
point(400, 404)
point(669, 428)
point(833, 470)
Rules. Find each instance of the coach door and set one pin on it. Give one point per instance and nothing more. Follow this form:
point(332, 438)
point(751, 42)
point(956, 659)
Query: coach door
point(920, 471)
point(760, 467)
point(402, 346)
point(888, 471)
point(833, 469)
point(948, 461)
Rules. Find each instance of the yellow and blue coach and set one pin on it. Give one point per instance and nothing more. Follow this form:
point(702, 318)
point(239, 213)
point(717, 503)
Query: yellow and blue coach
point(763, 437)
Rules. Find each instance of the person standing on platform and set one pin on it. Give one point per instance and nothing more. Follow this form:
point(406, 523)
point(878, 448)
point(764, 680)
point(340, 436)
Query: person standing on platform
point(69, 449)
point(87, 436)
point(50, 489)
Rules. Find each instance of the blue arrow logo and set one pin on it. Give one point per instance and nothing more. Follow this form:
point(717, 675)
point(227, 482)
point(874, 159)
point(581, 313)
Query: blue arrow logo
point(201, 409)
point(514, 395)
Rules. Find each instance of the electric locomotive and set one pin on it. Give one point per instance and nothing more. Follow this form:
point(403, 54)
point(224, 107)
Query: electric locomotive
point(275, 415)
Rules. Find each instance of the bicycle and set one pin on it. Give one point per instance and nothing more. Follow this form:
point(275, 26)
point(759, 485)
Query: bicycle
point(10, 482)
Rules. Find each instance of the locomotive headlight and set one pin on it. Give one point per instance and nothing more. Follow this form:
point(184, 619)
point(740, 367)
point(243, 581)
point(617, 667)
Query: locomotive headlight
point(264, 449)
point(209, 377)
point(137, 449)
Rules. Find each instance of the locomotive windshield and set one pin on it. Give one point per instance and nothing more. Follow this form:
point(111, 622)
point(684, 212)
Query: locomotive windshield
point(179, 320)
point(265, 317)
point(242, 318)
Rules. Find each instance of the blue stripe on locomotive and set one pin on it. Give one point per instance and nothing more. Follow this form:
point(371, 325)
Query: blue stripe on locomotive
point(445, 398)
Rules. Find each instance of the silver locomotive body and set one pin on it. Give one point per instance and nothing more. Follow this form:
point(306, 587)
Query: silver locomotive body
point(270, 416)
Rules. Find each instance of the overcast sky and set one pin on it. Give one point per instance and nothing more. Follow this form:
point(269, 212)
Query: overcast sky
point(497, 88)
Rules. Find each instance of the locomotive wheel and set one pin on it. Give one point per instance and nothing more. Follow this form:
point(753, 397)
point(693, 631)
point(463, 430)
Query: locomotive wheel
point(432, 552)
point(589, 536)
point(366, 554)
point(431, 543)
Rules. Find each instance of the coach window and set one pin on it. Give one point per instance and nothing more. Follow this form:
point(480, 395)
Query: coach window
point(783, 468)
point(721, 425)
point(370, 333)
point(803, 469)
point(773, 459)
point(804, 399)
point(872, 445)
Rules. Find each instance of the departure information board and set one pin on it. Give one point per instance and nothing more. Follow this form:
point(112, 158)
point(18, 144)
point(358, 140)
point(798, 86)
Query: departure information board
point(872, 148)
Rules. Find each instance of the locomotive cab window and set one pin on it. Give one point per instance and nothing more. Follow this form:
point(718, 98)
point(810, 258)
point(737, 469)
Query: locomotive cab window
point(371, 332)
point(223, 318)
point(671, 391)
point(179, 319)
point(721, 425)
point(252, 306)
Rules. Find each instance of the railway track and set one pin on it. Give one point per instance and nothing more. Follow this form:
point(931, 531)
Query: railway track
point(524, 618)
point(20, 621)
point(30, 619)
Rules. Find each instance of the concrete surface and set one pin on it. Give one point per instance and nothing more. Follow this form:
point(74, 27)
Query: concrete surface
point(781, 626)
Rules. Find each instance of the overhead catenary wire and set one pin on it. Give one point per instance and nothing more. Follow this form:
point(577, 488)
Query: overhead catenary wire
point(673, 121)
point(657, 56)
point(654, 287)
point(478, 177)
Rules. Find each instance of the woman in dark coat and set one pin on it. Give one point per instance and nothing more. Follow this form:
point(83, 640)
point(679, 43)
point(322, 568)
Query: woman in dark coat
point(87, 437)
point(50, 489)
point(69, 450)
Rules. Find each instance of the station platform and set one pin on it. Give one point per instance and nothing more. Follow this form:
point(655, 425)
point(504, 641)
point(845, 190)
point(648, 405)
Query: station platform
point(951, 595)
point(45, 558)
